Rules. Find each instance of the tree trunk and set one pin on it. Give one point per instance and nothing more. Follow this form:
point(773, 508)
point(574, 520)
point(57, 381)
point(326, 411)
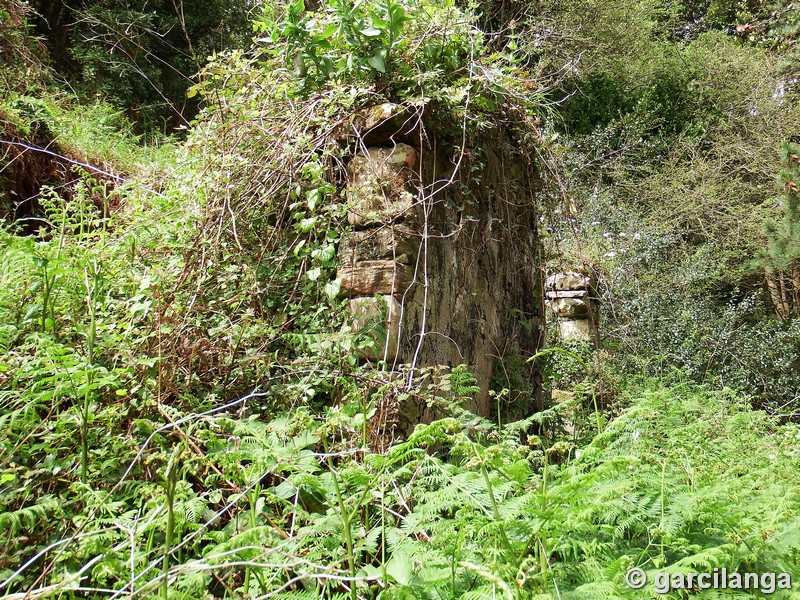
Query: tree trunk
point(795, 288)
point(776, 293)
point(53, 20)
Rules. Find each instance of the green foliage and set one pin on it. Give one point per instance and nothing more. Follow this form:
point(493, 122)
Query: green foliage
point(738, 345)
point(21, 67)
point(566, 365)
point(782, 255)
point(785, 237)
point(698, 16)
point(183, 411)
point(684, 480)
point(663, 442)
point(99, 135)
point(779, 26)
point(670, 158)
point(353, 39)
point(639, 106)
point(68, 309)
point(140, 58)
point(422, 52)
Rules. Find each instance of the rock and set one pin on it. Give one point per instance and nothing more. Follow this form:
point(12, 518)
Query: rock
point(378, 191)
point(570, 307)
point(382, 317)
point(391, 242)
point(372, 117)
point(567, 413)
point(372, 277)
point(570, 280)
point(383, 123)
point(575, 329)
point(568, 298)
point(483, 298)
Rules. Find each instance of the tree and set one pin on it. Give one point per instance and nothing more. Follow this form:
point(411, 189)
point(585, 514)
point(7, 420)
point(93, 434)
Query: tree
point(782, 256)
point(140, 56)
point(782, 30)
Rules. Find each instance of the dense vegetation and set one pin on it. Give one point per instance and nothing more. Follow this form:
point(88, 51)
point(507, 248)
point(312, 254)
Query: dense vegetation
point(183, 413)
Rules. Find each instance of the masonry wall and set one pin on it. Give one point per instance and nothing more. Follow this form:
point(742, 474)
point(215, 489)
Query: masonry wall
point(444, 257)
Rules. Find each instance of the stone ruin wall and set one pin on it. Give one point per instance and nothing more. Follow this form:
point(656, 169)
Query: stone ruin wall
point(573, 305)
point(447, 265)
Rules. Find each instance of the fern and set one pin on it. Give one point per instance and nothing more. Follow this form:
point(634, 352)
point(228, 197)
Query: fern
point(26, 518)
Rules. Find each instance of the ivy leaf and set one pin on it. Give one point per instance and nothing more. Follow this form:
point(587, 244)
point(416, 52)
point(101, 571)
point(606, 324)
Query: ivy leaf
point(313, 274)
point(332, 288)
point(312, 197)
point(324, 254)
point(308, 224)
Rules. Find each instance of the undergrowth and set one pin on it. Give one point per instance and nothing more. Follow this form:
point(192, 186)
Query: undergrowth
point(229, 504)
point(183, 410)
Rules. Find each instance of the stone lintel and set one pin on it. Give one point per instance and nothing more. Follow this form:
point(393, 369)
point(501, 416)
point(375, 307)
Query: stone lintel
point(553, 295)
point(382, 124)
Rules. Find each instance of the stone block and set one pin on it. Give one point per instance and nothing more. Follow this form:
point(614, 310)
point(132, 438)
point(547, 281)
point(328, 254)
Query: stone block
point(379, 191)
point(376, 115)
point(575, 329)
point(570, 307)
point(372, 277)
point(390, 242)
point(382, 123)
point(381, 318)
point(569, 280)
point(567, 412)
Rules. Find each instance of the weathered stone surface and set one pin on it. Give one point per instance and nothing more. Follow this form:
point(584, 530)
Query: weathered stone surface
point(375, 116)
point(383, 124)
point(390, 242)
point(477, 299)
point(372, 277)
point(575, 329)
point(569, 300)
point(379, 190)
point(552, 295)
point(382, 318)
point(483, 303)
point(570, 280)
point(570, 307)
point(567, 413)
